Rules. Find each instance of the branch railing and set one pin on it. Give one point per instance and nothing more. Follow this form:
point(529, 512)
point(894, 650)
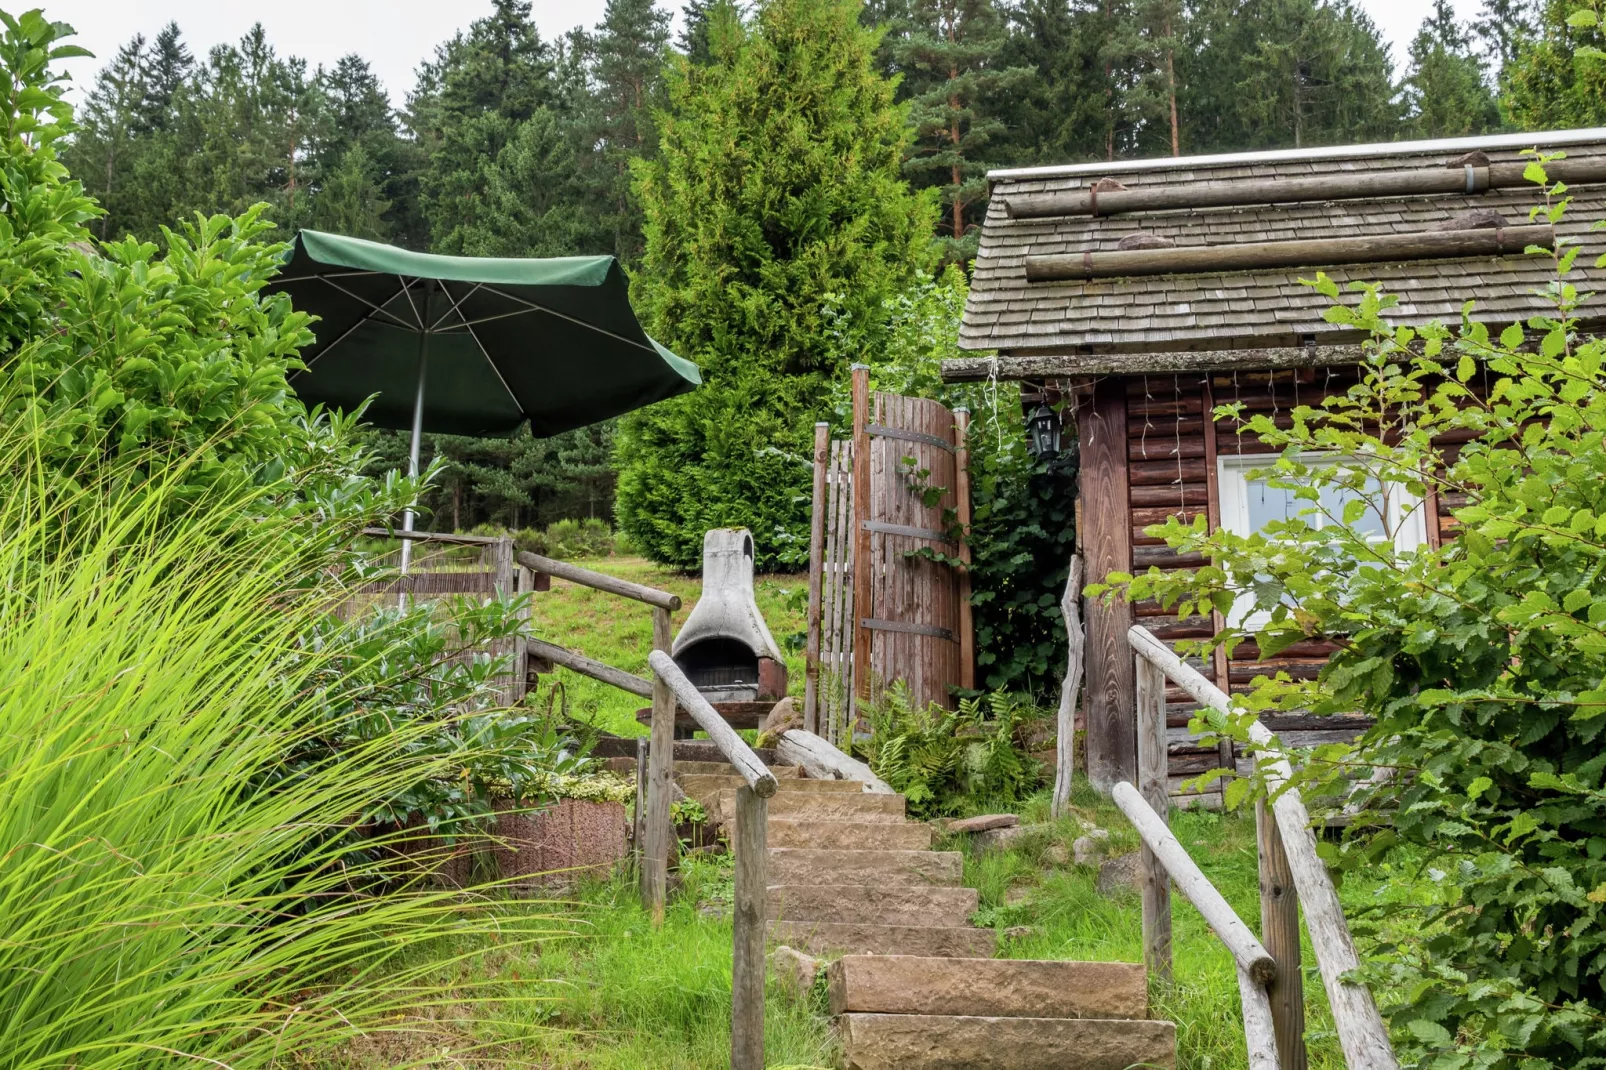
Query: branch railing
point(1268, 974)
point(747, 842)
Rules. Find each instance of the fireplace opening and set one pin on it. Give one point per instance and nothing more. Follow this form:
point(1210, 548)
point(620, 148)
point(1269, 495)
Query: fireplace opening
point(720, 663)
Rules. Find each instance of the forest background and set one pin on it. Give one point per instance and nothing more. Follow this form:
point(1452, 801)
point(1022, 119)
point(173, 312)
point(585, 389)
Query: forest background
point(794, 185)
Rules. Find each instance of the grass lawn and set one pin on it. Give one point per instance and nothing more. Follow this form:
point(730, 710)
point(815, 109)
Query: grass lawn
point(615, 994)
point(619, 631)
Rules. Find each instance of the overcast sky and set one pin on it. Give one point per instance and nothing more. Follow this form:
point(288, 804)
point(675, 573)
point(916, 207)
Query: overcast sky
point(395, 35)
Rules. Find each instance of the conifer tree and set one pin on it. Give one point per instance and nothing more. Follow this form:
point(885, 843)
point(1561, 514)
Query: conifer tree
point(948, 52)
point(777, 188)
point(1446, 90)
point(1557, 78)
point(104, 154)
point(629, 51)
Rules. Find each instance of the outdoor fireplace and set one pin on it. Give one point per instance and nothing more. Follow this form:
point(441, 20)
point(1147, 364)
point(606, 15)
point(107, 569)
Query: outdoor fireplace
point(725, 648)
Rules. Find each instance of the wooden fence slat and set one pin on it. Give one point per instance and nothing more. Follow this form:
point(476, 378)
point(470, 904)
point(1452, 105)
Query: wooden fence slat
point(811, 653)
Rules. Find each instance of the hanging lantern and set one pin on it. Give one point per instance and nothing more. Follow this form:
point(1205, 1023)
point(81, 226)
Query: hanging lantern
point(1043, 432)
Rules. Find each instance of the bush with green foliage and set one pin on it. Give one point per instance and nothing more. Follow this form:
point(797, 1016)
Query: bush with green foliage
point(1481, 661)
point(777, 193)
point(947, 761)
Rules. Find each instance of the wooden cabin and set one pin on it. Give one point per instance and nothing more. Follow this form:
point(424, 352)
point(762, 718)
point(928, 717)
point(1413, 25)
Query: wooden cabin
point(1150, 291)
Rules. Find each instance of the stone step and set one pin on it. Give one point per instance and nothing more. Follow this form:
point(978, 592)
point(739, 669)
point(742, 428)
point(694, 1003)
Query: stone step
point(705, 787)
point(800, 865)
point(846, 835)
point(997, 988)
point(939, 1042)
point(878, 903)
point(866, 938)
point(820, 806)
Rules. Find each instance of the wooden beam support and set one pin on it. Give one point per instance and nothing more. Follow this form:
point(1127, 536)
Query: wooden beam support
point(657, 830)
point(1153, 785)
point(1066, 365)
point(967, 625)
point(1106, 534)
point(1279, 931)
point(600, 581)
point(811, 649)
point(1297, 253)
point(863, 569)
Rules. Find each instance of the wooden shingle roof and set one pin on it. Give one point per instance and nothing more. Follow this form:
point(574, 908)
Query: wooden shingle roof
point(1263, 307)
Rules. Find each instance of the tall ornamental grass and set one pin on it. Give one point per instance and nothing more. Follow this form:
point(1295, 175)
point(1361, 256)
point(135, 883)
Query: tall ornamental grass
point(172, 893)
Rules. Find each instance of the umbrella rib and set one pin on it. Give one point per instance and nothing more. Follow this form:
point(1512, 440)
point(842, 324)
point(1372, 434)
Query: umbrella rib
point(380, 309)
point(328, 275)
point(457, 305)
point(364, 318)
point(571, 319)
point(514, 397)
point(488, 319)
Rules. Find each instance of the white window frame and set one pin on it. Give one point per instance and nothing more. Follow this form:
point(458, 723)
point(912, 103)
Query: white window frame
point(1406, 514)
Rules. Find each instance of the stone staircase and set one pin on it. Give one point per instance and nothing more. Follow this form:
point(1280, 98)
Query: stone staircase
point(916, 986)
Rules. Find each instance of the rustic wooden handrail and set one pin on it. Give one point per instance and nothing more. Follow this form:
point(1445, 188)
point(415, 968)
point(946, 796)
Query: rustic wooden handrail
point(596, 670)
point(752, 856)
point(432, 536)
point(1361, 1032)
point(599, 581)
point(1185, 873)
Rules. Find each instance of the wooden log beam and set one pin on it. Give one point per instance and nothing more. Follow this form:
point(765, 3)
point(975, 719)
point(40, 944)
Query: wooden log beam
point(1259, 1035)
point(732, 746)
point(1303, 252)
point(1351, 185)
point(1247, 951)
point(1063, 365)
point(822, 761)
point(1361, 1032)
point(658, 833)
point(1154, 785)
point(597, 670)
point(747, 936)
point(432, 536)
point(600, 581)
point(1279, 931)
point(811, 649)
point(1070, 687)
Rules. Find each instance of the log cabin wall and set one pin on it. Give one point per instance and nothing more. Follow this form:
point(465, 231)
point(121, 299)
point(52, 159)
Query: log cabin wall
point(1163, 464)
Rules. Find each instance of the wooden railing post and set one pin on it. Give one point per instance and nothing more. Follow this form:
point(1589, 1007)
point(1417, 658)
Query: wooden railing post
point(657, 832)
point(1153, 785)
point(747, 943)
point(863, 567)
point(811, 653)
point(1279, 931)
point(967, 623)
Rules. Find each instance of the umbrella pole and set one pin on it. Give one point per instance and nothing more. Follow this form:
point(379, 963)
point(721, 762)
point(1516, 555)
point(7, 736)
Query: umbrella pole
point(418, 434)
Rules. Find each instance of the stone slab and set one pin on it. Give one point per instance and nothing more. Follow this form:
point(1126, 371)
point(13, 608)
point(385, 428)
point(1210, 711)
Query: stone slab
point(848, 835)
point(861, 938)
point(801, 865)
point(823, 806)
point(879, 903)
point(705, 787)
point(999, 988)
point(934, 1042)
point(983, 822)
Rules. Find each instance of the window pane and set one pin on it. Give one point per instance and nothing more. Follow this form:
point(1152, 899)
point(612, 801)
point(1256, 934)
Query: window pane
point(1370, 523)
point(1270, 503)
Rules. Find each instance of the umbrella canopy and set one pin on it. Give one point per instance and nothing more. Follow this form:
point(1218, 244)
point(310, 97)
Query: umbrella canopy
point(473, 345)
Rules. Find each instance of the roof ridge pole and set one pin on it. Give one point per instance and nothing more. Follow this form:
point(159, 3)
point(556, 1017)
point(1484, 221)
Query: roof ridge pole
point(418, 428)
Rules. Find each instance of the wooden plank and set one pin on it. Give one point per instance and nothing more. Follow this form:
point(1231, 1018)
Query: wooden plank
point(1070, 686)
point(967, 623)
point(657, 829)
point(747, 936)
point(598, 581)
point(1062, 365)
point(822, 761)
point(1218, 622)
point(1152, 786)
point(863, 569)
point(1293, 253)
point(1106, 544)
point(1190, 880)
point(1279, 931)
point(811, 649)
point(902, 434)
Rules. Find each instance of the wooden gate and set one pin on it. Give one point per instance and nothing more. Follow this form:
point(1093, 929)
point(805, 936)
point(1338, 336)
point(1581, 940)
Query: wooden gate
point(898, 486)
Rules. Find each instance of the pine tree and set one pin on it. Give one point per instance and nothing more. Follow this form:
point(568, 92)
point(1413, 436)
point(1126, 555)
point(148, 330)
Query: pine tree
point(1557, 79)
point(777, 189)
point(1060, 114)
point(356, 156)
point(1446, 90)
point(1502, 24)
point(693, 40)
point(104, 154)
point(948, 53)
point(168, 65)
point(629, 50)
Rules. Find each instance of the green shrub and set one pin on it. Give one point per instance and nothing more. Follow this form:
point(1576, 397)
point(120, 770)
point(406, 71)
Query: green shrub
point(947, 761)
point(1481, 661)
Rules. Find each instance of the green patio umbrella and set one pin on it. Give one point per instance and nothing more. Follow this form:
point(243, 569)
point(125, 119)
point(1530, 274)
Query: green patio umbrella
point(472, 345)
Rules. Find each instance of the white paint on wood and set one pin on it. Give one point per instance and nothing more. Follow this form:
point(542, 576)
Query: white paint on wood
point(822, 761)
point(1070, 687)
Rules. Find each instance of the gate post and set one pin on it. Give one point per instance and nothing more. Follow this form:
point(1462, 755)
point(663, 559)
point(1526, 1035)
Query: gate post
point(863, 567)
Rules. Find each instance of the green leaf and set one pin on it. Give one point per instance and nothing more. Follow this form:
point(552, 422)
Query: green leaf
point(1583, 19)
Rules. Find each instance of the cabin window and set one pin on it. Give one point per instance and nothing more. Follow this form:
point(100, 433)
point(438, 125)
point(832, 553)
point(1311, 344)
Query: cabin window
point(1249, 504)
